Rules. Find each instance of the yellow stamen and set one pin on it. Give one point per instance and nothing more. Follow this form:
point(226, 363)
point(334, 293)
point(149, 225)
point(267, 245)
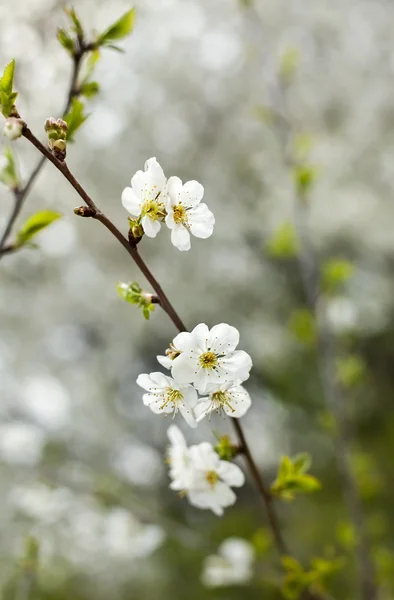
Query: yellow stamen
point(172, 396)
point(180, 214)
point(153, 209)
point(208, 360)
point(212, 477)
point(222, 399)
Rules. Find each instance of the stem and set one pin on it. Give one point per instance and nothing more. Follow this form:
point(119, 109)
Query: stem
point(21, 194)
point(175, 318)
point(332, 393)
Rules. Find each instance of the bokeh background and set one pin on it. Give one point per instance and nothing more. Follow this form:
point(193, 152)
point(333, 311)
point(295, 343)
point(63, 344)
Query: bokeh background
point(81, 460)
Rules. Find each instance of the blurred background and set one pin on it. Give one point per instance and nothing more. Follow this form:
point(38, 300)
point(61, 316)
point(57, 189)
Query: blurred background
point(81, 460)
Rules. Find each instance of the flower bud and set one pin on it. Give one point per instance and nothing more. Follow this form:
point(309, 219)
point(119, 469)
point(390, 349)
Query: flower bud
point(13, 128)
point(84, 211)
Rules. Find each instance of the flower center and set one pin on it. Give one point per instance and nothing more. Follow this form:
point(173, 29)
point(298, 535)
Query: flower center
point(208, 360)
point(172, 352)
point(171, 396)
point(180, 214)
point(212, 477)
point(153, 209)
point(222, 399)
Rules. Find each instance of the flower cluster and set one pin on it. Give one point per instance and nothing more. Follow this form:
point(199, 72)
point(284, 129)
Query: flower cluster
point(204, 361)
point(152, 199)
point(198, 473)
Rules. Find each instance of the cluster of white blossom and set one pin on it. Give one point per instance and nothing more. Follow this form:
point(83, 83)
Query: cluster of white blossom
point(152, 199)
point(204, 361)
point(197, 472)
point(232, 565)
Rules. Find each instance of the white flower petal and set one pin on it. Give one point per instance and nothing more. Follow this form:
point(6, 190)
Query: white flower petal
point(231, 474)
point(150, 227)
point(183, 369)
point(188, 414)
point(203, 408)
point(145, 381)
point(174, 187)
point(201, 221)
point(155, 403)
point(240, 402)
point(180, 237)
point(223, 338)
point(138, 183)
point(184, 341)
point(201, 336)
point(204, 457)
point(169, 220)
point(165, 361)
point(131, 202)
point(156, 173)
point(237, 365)
point(176, 436)
point(191, 193)
point(237, 551)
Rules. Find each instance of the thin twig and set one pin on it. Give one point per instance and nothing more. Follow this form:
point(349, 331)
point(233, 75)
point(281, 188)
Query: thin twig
point(20, 194)
point(332, 392)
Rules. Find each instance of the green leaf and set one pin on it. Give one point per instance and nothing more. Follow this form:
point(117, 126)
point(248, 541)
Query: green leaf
point(133, 293)
point(66, 41)
point(351, 370)
point(291, 564)
point(335, 273)
point(284, 242)
point(75, 118)
point(77, 27)
point(302, 325)
point(89, 89)
point(92, 60)
point(302, 462)
point(304, 178)
point(9, 173)
point(306, 483)
point(119, 30)
point(7, 79)
point(35, 224)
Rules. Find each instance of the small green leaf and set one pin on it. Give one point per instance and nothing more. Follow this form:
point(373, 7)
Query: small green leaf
point(304, 178)
point(284, 242)
point(262, 541)
point(133, 293)
point(77, 27)
point(92, 60)
point(7, 79)
point(35, 224)
point(66, 41)
point(306, 483)
point(351, 370)
point(119, 30)
point(291, 564)
point(335, 273)
point(302, 325)
point(9, 173)
point(302, 462)
point(75, 118)
point(89, 89)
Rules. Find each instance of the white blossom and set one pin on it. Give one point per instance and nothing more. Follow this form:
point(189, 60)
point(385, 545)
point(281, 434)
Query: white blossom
point(145, 198)
point(209, 357)
point(198, 473)
point(212, 479)
point(232, 565)
point(13, 128)
point(229, 397)
point(186, 213)
point(167, 396)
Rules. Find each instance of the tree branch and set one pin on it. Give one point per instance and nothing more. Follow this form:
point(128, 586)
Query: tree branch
point(20, 194)
point(164, 302)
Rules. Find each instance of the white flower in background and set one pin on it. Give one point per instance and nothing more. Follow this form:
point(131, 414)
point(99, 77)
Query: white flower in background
point(146, 197)
point(186, 213)
point(125, 536)
point(167, 396)
point(232, 565)
point(212, 479)
point(209, 357)
point(229, 397)
point(178, 456)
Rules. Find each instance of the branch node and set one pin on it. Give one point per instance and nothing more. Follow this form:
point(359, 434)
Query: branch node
point(84, 211)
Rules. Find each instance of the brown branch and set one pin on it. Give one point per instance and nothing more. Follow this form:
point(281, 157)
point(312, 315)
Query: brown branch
point(164, 302)
point(20, 194)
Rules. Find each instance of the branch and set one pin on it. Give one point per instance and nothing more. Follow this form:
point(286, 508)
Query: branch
point(20, 194)
point(332, 392)
point(95, 213)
